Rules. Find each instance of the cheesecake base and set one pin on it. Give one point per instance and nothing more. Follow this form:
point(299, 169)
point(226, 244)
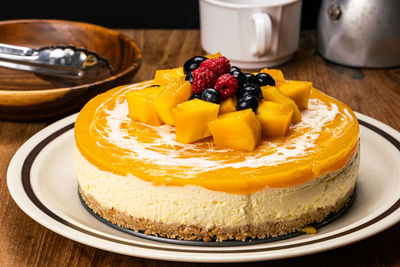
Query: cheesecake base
point(178, 231)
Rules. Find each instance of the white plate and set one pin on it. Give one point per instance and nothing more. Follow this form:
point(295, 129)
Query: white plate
point(41, 181)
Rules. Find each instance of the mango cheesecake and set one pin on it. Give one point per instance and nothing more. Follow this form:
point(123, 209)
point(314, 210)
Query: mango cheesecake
point(208, 152)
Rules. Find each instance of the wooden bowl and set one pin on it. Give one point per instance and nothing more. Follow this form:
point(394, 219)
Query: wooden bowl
point(26, 97)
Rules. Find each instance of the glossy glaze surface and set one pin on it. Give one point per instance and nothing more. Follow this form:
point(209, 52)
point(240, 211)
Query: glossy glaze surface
point(322, 142)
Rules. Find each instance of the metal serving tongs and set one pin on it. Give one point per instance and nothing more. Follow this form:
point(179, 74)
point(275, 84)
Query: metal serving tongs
point(61, 64)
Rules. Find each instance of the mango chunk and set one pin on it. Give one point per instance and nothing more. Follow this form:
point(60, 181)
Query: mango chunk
point(218, 54)
point(239, 130)
point(192, 118)
point(299, 91)
point(163, 77)
point(277, 75)
point(271, 93)
point(174, 93)
point(140, 105)
point(275, 118)
point(228, 105)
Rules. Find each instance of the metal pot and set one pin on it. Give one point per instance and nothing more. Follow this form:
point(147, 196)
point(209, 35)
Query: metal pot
point(360, 33)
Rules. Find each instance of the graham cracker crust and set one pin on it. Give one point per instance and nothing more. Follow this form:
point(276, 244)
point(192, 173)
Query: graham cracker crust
point(198, 232)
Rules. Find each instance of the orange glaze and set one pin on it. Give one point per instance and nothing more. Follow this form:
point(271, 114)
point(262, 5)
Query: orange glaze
point(335, 144)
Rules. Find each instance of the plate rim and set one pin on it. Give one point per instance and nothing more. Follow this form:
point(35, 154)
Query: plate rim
point(62, 126)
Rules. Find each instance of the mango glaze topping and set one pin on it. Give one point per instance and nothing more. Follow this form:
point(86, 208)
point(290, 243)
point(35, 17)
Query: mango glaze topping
point(321, 142)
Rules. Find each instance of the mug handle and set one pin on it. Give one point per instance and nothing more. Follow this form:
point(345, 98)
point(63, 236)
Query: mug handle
point(263, 27)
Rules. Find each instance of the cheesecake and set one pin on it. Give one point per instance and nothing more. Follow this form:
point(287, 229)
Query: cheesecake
point(146, 177)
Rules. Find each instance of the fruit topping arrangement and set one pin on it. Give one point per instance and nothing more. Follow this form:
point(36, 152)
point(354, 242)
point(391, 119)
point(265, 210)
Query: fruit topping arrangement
point(209, 97)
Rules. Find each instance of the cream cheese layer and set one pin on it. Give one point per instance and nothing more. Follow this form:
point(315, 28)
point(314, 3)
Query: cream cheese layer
point(193, 204)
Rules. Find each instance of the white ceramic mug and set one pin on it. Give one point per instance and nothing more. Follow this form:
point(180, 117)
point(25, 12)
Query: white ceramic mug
point(252, 34)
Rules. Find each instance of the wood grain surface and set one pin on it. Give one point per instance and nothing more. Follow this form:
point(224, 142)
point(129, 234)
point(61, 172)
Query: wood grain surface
point(374, 92)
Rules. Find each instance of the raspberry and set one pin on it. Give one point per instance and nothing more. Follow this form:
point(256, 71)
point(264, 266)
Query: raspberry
point(219, 65)
point(226, 85)
point(203, 78)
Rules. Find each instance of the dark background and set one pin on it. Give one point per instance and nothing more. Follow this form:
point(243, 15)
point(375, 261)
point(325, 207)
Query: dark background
point(128, 14)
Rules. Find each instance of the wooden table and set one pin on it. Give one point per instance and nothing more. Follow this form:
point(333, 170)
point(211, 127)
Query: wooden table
point(374, 92)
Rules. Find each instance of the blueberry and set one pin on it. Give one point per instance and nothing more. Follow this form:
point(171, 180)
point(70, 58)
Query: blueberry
point(247, 101)
point(265, 79)
point(239, 77)
point(250, 78)
point(193, 63)
point(189, 77)
point(195, 95)
point(211, 95)
point(234, 68)
point(252, 89)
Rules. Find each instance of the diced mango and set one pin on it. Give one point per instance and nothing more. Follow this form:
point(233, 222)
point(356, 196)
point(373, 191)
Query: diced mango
point(228, 105)
point(218, 54)
point(163, 77)
point(192, 118)
point(275, 118)
point(174, 93)
point(140, 105)
point(239, 130)
point(271, 93)
point(277, 75)
point(299, 91)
